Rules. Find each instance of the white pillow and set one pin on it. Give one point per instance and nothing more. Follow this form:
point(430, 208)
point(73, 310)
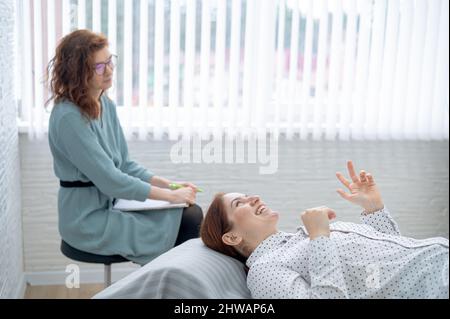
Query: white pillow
point(190, 270)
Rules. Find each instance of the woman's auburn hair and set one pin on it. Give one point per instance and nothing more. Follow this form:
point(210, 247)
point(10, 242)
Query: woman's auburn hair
point(72, 68)
point(214, 225)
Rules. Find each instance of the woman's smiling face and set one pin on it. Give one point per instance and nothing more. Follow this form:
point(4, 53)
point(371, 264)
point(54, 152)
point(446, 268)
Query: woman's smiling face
point(249, 215)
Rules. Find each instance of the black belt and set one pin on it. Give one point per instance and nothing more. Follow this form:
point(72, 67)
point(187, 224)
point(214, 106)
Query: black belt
point(75, 184)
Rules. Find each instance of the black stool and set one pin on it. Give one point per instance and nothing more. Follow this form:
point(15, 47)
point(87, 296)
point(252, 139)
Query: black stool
point(82, 256)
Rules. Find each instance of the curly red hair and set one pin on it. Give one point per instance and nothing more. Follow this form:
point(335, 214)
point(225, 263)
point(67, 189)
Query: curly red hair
point(73, 67)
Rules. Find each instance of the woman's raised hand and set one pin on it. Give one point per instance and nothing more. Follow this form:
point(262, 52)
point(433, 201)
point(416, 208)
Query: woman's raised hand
point(363, 190)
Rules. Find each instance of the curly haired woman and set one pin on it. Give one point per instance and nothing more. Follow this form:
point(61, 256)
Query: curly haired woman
point(92, 163)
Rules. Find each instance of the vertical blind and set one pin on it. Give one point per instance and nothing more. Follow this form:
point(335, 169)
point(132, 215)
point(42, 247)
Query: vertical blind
point(336, 69)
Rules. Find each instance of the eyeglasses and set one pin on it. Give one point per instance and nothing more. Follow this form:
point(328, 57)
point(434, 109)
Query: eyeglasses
point(101, 67)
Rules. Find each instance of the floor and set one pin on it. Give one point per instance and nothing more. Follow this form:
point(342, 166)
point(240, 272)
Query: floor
point(86, 291)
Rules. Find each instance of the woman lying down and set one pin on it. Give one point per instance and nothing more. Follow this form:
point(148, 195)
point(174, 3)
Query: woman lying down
point(323, 260)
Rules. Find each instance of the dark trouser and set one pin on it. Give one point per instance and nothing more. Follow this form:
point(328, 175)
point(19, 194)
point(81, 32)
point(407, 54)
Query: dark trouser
point(190, 224)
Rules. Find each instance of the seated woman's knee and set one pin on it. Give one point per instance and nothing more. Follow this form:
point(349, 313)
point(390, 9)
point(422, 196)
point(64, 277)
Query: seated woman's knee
point(194, 213)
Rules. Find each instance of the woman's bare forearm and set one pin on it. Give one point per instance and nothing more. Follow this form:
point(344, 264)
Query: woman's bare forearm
point(160, 193)
point(160, 182)
point(372, 207)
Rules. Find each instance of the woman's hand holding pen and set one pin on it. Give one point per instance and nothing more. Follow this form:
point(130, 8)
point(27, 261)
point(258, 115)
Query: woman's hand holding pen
point(184, 184)
point(174, 192)
point(183, 195)
point(363, 190)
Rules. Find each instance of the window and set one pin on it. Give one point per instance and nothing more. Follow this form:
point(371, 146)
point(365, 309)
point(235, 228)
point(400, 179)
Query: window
point(346, 69)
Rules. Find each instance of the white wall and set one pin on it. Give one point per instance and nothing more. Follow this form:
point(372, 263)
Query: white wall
point(12, 284)
point(413, 177)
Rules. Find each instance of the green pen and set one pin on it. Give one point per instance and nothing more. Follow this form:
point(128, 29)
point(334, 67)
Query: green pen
point(176, 186)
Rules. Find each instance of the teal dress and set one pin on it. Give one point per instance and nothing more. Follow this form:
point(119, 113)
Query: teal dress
point(96, 151)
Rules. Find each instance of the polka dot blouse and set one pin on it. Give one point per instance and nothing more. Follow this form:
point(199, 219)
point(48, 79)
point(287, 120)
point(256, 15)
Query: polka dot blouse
point(368, 260)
